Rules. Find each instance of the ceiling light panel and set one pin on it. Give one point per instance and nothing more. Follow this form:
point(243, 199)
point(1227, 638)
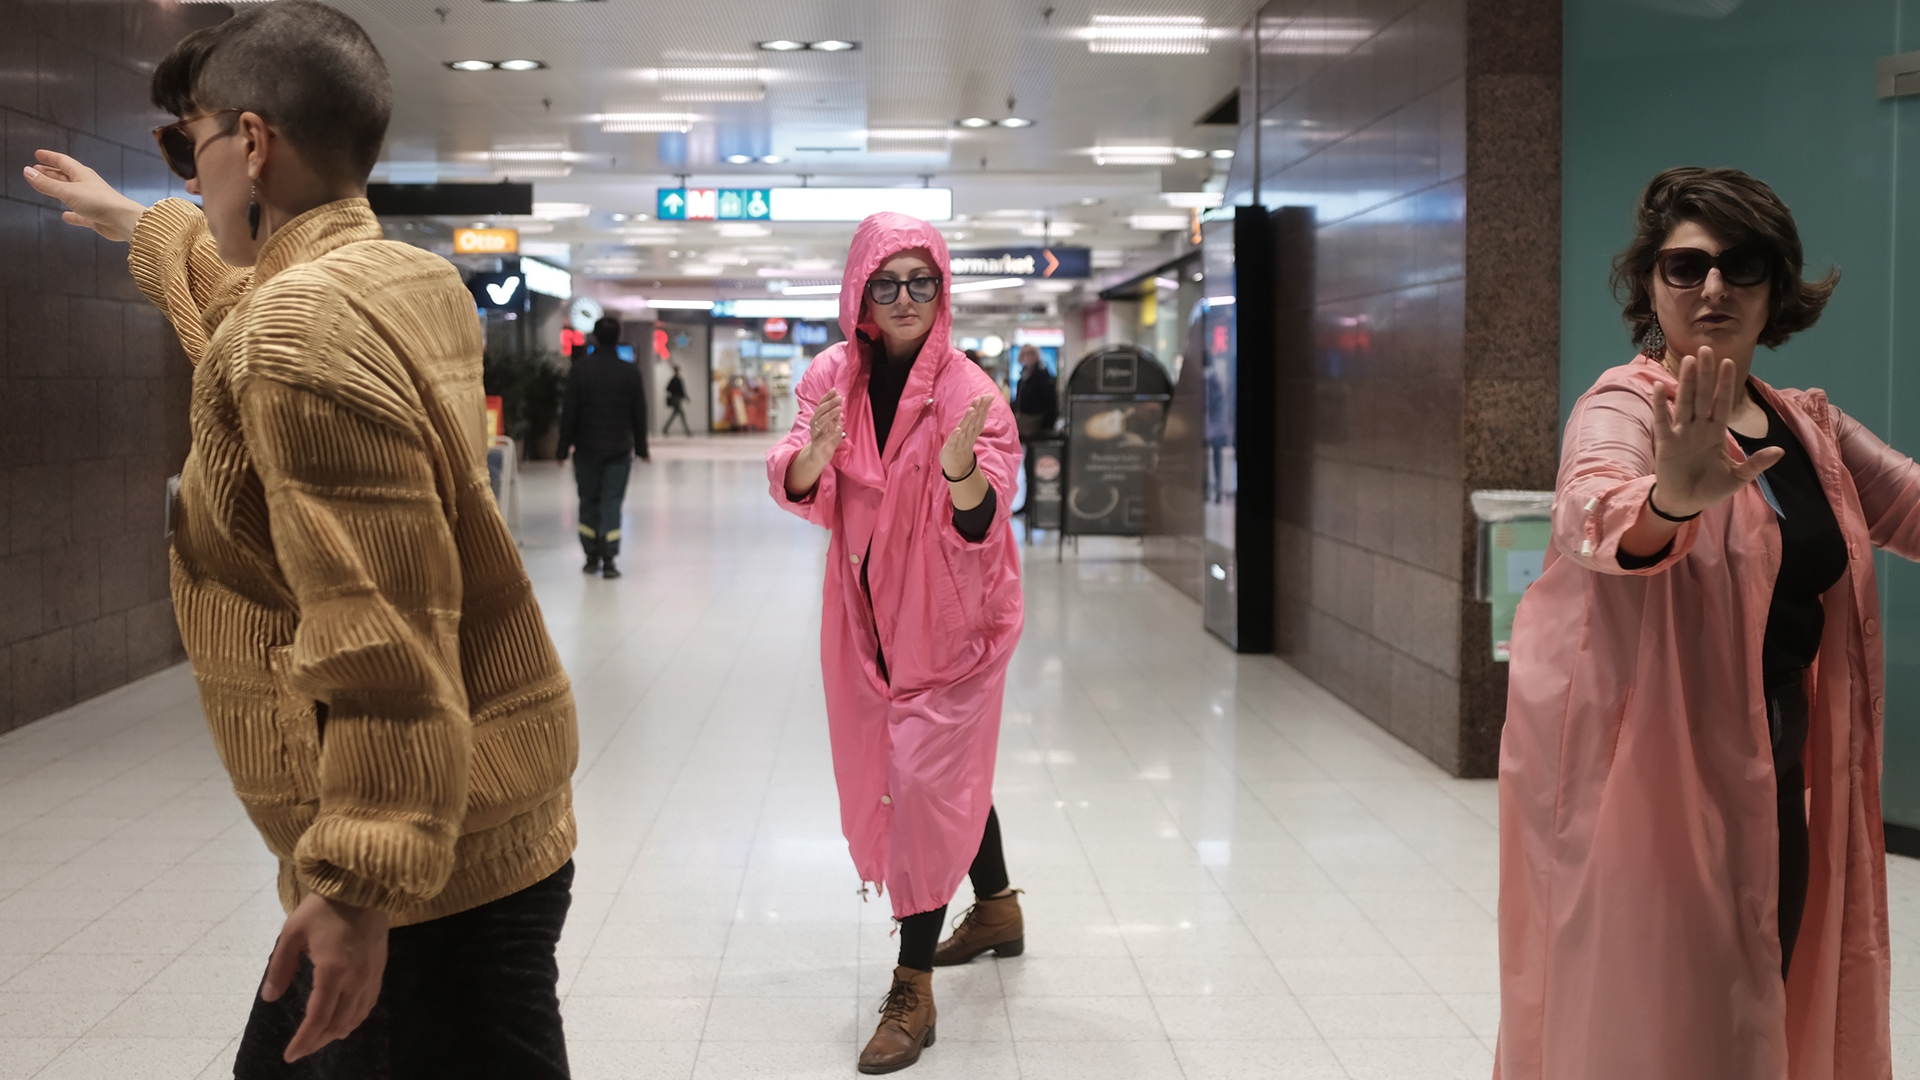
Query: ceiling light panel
point(1148, 35)
point(630, 122)
point(1133, 155)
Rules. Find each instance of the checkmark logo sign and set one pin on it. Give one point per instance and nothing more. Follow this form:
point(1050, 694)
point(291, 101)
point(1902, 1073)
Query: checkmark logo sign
point(504, 291)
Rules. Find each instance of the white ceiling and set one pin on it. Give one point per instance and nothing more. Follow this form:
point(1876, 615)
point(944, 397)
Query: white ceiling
point(922, 65)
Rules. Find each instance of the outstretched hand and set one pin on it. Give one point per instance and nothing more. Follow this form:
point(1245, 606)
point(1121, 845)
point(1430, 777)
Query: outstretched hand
point(1692, 468)
point(91, 201)
point(956, 457)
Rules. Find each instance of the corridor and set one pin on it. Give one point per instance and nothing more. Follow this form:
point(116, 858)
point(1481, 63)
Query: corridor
point(1228, 873)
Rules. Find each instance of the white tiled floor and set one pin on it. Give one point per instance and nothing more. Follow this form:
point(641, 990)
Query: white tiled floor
point(1228, 873)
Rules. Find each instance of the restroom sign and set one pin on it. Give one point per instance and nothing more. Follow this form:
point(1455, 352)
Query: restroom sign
point(714, 204)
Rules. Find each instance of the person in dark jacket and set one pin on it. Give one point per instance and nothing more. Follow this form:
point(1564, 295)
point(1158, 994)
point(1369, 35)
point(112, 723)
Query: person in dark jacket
point(676, 399)
point(1036, 405)
point(603, 421)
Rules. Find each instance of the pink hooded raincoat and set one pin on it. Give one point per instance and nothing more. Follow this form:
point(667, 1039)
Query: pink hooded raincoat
point(913, 757)
point(1639, 857)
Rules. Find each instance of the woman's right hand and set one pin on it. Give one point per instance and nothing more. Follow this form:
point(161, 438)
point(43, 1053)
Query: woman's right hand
point(1692, 468)
point(827, 429)
point(91, 201)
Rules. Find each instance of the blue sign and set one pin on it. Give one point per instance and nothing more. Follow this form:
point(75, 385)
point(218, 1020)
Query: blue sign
point(1033, 262)
point(714, 204)
point(809, 334)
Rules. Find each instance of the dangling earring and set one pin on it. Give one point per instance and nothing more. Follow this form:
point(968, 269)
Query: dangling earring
point(253, 213)
point(1653, 344)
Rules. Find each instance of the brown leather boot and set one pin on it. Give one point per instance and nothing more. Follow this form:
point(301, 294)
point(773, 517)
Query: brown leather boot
point(906, 1023)
point(989, 924)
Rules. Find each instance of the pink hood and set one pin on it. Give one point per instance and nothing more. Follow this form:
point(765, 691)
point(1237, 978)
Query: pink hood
point(877, 239)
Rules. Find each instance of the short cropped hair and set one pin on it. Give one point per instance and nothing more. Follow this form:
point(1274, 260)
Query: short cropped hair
point(606, 331)
point(309, 70)
point(1739, 210)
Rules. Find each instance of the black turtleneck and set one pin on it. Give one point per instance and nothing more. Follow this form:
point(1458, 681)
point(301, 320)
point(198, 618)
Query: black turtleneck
point(886, 381)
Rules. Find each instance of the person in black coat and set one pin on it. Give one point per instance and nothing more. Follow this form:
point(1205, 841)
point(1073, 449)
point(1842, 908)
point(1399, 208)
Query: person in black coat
point(676, 399)
point(603, 422)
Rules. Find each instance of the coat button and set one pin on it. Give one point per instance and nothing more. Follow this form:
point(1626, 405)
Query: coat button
point(886, 800)
point(855, 558)
point(1853, 550)
point(1873, 627)
point(1879, 706)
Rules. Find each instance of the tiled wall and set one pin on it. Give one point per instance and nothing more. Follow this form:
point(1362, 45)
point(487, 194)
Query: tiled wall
point(93, 384)
point(1425, 135)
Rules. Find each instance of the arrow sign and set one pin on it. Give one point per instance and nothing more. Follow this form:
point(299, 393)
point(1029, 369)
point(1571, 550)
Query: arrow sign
point(675, 202)
point(1052, 264)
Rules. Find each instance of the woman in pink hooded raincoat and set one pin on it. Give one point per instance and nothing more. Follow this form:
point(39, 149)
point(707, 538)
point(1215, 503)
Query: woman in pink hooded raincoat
point(906, 451)
point(1692, 871)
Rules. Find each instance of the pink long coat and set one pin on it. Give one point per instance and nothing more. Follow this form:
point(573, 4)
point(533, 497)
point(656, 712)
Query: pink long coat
point(1639, 842)
point(913, 757)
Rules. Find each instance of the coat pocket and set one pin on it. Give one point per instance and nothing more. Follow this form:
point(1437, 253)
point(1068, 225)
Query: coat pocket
point(299, 720)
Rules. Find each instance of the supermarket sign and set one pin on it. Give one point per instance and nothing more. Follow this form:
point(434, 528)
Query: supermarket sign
point(801, 204)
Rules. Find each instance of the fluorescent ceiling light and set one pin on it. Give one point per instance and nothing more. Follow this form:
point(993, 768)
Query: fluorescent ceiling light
point(1133, 155)
point(906, 134)
point(1158, 222)
point(630, 122)
point(781, 45)
point(678, 305)
point(466, 65)
point(532, 170)
point(554, 211)
point(710, 74)
point(742, 230)
point(988, 286)
point(1161, 35)
point(755, 92)
point(1204, 200)
point(855, 204)
point(831, 45)
point(778, 309)
point(545, 154)
point(812, 290)
point(1317, 37)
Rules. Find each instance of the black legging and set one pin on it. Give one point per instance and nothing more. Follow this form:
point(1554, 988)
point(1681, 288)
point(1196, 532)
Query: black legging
point(920, 933)
point(1787, 717)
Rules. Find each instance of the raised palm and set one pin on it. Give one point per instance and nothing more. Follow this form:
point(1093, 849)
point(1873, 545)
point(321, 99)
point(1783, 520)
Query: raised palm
point(1693, 469)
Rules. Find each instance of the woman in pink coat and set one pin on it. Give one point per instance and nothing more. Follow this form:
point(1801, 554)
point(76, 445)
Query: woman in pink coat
point(905, 451)
point(1692, 876)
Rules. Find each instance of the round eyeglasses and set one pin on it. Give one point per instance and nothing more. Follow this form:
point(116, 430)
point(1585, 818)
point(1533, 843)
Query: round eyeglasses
point(921, 290)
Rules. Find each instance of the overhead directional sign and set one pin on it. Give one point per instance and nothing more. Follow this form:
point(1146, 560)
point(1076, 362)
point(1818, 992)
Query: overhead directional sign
point(801, 204)
point(714, 204)
point(1059, 262)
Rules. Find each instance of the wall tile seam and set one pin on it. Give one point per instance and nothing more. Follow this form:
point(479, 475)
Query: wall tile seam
point(1386, 555)
point(1429, 90)
point(1321, 301)
point(1410, 193)
point(146, 150)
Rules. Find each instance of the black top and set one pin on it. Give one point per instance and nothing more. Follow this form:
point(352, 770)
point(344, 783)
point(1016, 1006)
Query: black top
point(1038, 396)
point(676, 390)
point(1813, 553)
point(886, 381)
point(605, 409)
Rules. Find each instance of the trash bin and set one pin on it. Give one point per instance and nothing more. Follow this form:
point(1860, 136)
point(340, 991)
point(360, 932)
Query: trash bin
point(1516, 528)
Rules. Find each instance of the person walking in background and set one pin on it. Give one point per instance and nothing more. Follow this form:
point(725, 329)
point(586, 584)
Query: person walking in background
point(903, 450)
point(603, 423)
point(676, 400)
point(1036, 404)
point(372, 663)
point(1692, 870)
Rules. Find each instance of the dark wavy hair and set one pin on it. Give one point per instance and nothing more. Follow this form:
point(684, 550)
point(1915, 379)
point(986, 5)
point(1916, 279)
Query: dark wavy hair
point(1738, 210)
point(310, 70)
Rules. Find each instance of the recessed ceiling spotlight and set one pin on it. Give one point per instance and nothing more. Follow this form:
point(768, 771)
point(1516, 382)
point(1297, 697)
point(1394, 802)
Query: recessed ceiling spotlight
point(781, 45)
point(976, 122)
point(1089, 201)
point(521, 65)
point(772, 159)
point(1189, 154)
point(739, 159)
point(1016, 122)
point(470, 65)
point(833, 45)
point(1223, 154)
point(619, 217)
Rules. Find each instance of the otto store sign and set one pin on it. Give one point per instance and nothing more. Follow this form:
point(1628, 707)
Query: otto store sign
point(486, 241)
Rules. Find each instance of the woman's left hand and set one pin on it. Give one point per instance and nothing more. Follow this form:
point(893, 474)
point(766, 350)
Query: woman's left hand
point(956, 457)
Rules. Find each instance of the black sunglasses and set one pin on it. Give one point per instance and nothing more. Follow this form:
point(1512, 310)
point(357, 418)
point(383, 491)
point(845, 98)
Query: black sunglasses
point(1687, 268)
point(176, 146)
point(920, 290)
